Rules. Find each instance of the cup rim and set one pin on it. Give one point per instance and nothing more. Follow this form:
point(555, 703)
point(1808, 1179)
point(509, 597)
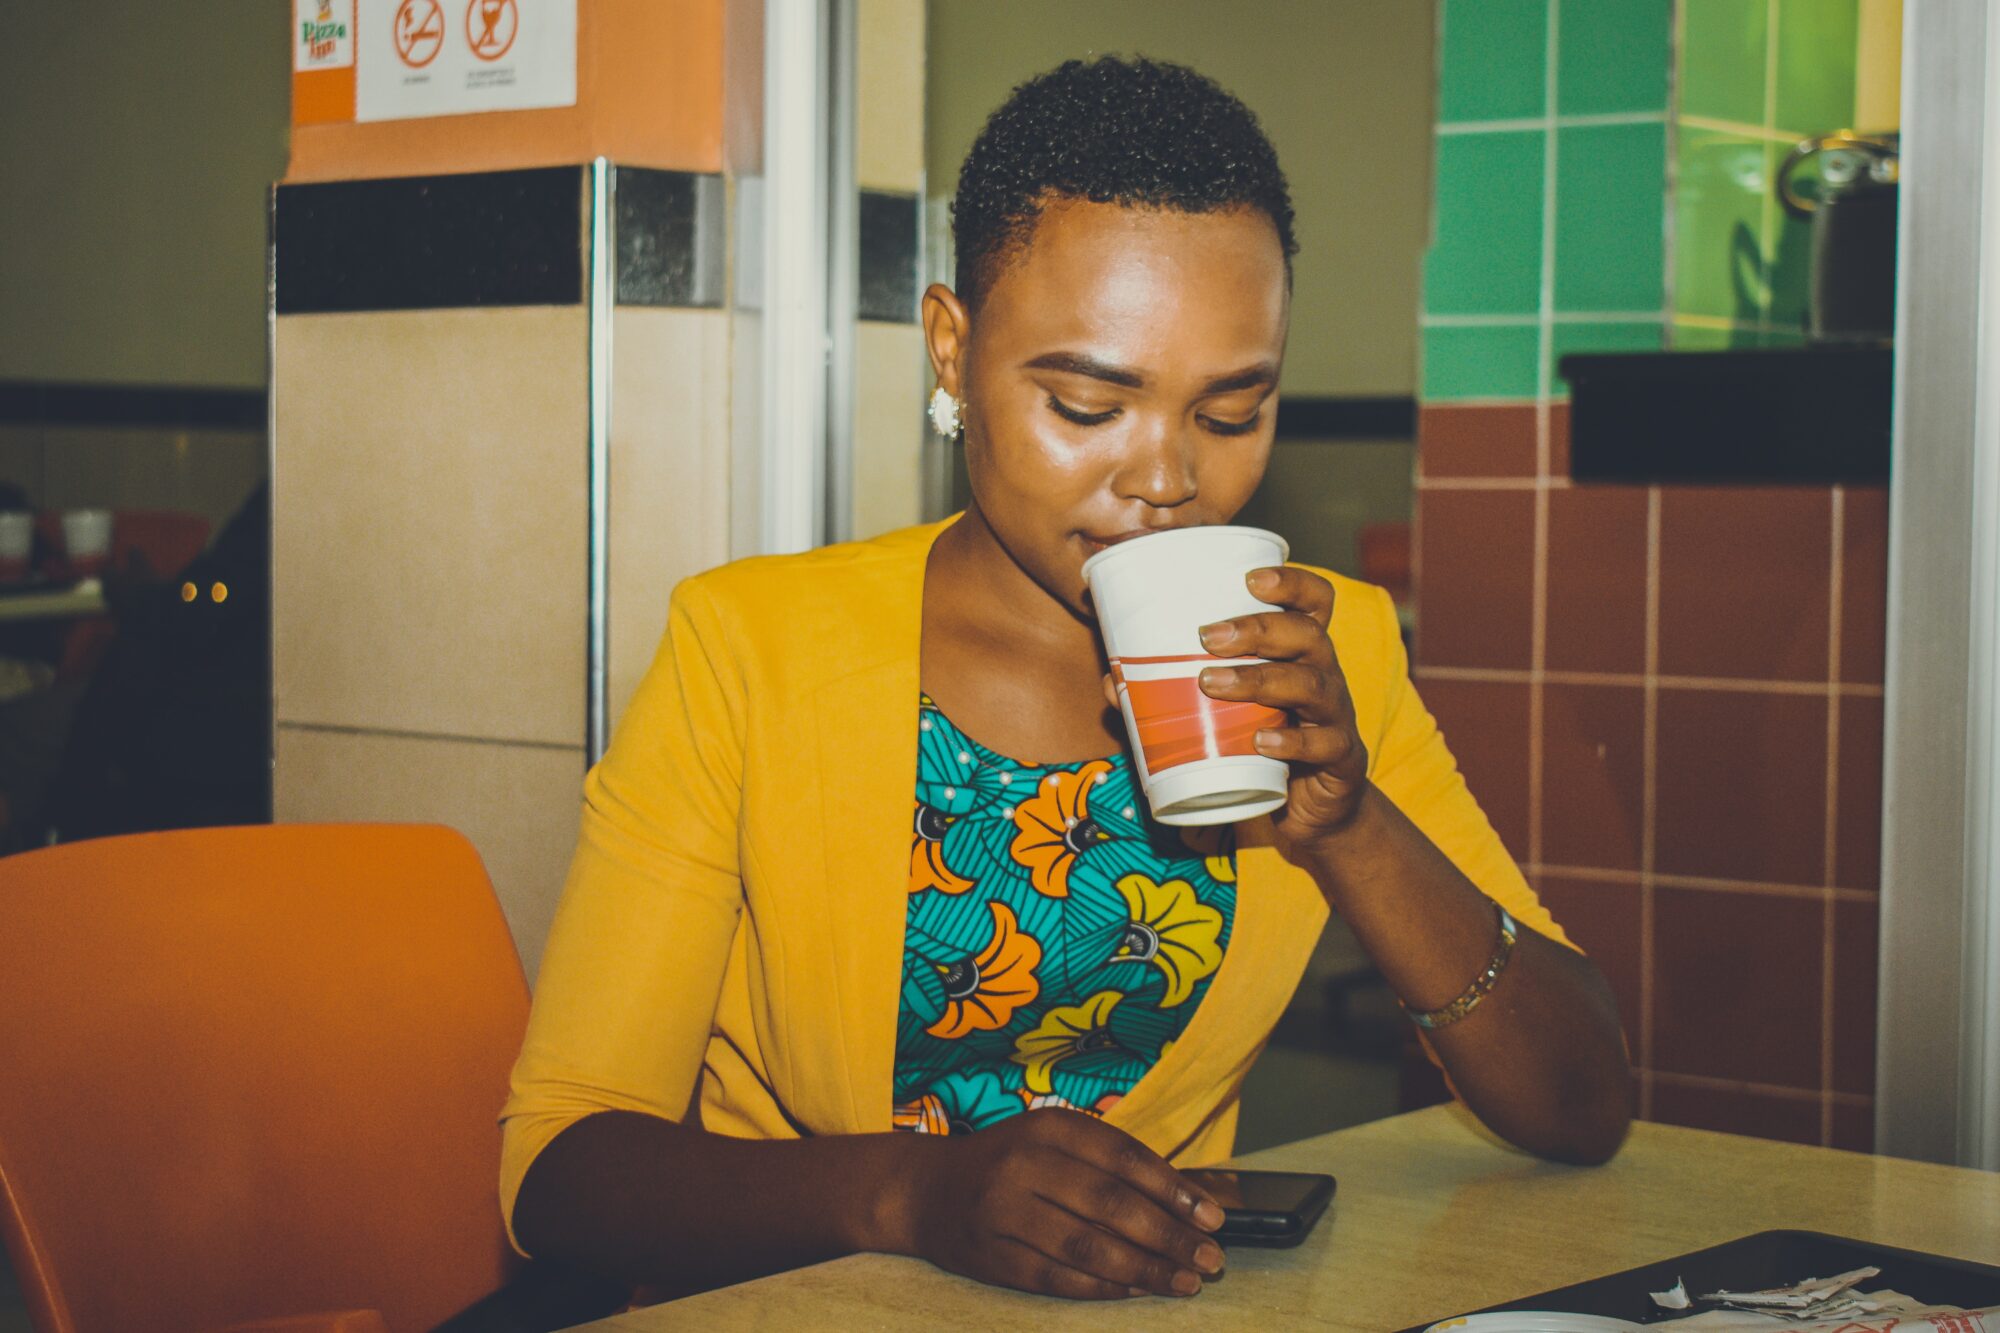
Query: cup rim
point(1103, 557)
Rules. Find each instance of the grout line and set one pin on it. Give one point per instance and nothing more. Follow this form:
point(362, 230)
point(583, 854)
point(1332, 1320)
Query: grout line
point(1477, 321)
point(1449, 321)
point(1523, 123)
point(1478, 483)
point(1492, 126)
point(1702, 883)
point(1537, 657)
point(1649, 794)
point(1767, 219)
point(1836, 565)
point(1762, 1089)
point(1516, 676)
point(1544, 351)
point(1742, 129)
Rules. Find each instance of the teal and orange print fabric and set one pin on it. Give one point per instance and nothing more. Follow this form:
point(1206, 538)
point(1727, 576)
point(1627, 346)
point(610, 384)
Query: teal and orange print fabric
point(1057, 939)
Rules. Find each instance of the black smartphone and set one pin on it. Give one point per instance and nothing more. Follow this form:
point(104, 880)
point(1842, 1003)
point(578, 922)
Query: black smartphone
point(1265, 1207)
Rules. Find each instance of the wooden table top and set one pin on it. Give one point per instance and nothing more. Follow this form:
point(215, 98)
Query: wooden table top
point(1433, 1217)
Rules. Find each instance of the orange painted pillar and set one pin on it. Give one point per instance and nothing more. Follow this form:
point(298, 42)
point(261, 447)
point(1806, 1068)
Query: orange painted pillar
point(649, 93)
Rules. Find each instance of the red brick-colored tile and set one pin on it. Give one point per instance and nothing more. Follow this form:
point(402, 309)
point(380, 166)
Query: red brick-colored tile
point(1745, 582)
point(1740, 786)
point(1737, 1111)
point(1559, 438)
point(1597, 580)
point(1857, 848)
point(1604, 921)
point(1855, 940)
point(1853, 1128)
point(1485, 726)
point(1593, 775)
point(1475, 578)
point(1864, 585)
point(1476, 440)
point(1736, 986)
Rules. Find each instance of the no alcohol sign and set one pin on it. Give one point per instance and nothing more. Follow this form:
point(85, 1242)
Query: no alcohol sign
point(454, 57)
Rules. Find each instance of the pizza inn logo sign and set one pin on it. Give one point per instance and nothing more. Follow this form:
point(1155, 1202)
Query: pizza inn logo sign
point(321, 36)
point(325, 34)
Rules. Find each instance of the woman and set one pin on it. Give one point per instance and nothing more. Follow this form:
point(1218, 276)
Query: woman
point(724, 1045)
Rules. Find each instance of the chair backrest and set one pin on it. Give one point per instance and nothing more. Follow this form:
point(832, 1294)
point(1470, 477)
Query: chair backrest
point(253, 1072)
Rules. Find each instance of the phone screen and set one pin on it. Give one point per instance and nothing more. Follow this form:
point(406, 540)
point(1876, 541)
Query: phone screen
point(1259, 1191)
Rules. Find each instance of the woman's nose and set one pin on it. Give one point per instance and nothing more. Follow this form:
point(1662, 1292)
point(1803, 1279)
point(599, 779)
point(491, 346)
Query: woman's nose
point(1160, 469)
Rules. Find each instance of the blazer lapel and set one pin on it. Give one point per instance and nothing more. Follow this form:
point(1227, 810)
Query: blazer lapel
point(867, 736)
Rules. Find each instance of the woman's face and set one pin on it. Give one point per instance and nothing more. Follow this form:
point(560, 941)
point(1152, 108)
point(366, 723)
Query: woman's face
point(1119, 378)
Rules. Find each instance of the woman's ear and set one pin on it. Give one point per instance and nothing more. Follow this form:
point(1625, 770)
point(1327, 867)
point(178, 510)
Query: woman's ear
point(947, 327)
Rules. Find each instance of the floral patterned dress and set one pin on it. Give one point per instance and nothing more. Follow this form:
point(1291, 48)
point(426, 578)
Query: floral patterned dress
point(1058, 940)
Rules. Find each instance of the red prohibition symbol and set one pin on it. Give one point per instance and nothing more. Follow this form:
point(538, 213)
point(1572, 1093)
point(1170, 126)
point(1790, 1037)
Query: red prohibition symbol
point(491, 26)
point(419, 32)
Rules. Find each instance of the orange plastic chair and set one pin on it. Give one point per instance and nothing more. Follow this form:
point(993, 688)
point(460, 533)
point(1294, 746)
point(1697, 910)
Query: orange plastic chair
point(252, 1075)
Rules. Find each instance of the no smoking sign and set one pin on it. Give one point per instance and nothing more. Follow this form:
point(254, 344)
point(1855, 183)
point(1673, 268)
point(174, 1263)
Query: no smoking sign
point(419, 32)
point(419, 58)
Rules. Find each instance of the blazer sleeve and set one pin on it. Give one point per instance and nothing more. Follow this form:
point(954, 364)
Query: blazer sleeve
point(629, 981)
point(1414, 769)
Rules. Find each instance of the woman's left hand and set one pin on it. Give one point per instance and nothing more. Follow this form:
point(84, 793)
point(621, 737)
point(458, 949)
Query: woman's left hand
point(1303, 678)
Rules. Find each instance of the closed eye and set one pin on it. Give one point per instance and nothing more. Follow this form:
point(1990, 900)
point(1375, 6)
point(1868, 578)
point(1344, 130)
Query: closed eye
point(1220, 427)
point(1081, 418)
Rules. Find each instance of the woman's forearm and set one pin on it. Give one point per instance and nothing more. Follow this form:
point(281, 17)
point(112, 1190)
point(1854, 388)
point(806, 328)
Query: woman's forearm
point(678, 1209)
point(1540, 1059)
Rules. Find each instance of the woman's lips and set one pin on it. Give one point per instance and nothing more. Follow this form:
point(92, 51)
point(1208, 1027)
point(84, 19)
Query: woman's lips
point(1103, 543)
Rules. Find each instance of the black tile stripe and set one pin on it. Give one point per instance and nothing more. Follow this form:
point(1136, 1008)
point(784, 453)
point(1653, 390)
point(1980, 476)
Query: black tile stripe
point(890, 226)
point(670, 238)
point(1330, 418)
point(500, 238)
point(34, 403)
point(1814, 416)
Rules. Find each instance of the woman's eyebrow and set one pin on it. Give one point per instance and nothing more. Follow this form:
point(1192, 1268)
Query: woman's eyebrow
point(1253, 377)
point(1077, 363)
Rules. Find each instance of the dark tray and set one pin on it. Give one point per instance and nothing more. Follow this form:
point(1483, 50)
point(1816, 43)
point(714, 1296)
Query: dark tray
point(1753, 1263)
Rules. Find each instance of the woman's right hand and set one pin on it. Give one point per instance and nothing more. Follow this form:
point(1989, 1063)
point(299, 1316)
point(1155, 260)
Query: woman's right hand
point(1058, 1202)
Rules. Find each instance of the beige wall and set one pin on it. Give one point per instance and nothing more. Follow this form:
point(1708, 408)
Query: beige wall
point(1344, 89)
point(891, 374)
point(137, 140)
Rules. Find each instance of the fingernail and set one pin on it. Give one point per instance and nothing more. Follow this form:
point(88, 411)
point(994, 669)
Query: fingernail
point(1219, 635)
point(1262, 580)
point(1219, 677)
point(1266, 739)
point(1207, 1215)
point(1209, 1257)
point(1186, 1283)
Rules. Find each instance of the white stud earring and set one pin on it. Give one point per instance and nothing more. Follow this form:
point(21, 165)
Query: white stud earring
point(944, 414)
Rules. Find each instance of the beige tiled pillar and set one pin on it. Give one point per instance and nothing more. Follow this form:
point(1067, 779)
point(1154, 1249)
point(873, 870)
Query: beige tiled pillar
point(434, 510)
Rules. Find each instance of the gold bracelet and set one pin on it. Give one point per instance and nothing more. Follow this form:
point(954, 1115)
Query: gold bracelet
point(1481, 984)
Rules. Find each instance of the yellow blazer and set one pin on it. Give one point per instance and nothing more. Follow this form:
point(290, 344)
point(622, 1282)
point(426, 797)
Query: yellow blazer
point(730, 937)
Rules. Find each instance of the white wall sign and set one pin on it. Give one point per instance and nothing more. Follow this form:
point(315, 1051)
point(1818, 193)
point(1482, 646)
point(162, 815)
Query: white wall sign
point(322, 34)
point(455, 57)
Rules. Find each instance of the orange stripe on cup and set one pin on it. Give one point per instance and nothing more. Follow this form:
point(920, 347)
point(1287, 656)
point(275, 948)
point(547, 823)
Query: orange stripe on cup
point(1178, 724)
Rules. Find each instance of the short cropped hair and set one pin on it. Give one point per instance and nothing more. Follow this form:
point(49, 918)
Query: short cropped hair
point(1138, 132)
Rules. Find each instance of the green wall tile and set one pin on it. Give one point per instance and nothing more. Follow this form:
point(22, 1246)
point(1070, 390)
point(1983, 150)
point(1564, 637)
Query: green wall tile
point(1789, 261)
point(1486, 251)
point(1816, 65)
point(1631, 336)
point(1487, 361)
point(1721, 183)
point(1613, 55)
point(1722, 59)
point(1611, 183)
point(1493, 59)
